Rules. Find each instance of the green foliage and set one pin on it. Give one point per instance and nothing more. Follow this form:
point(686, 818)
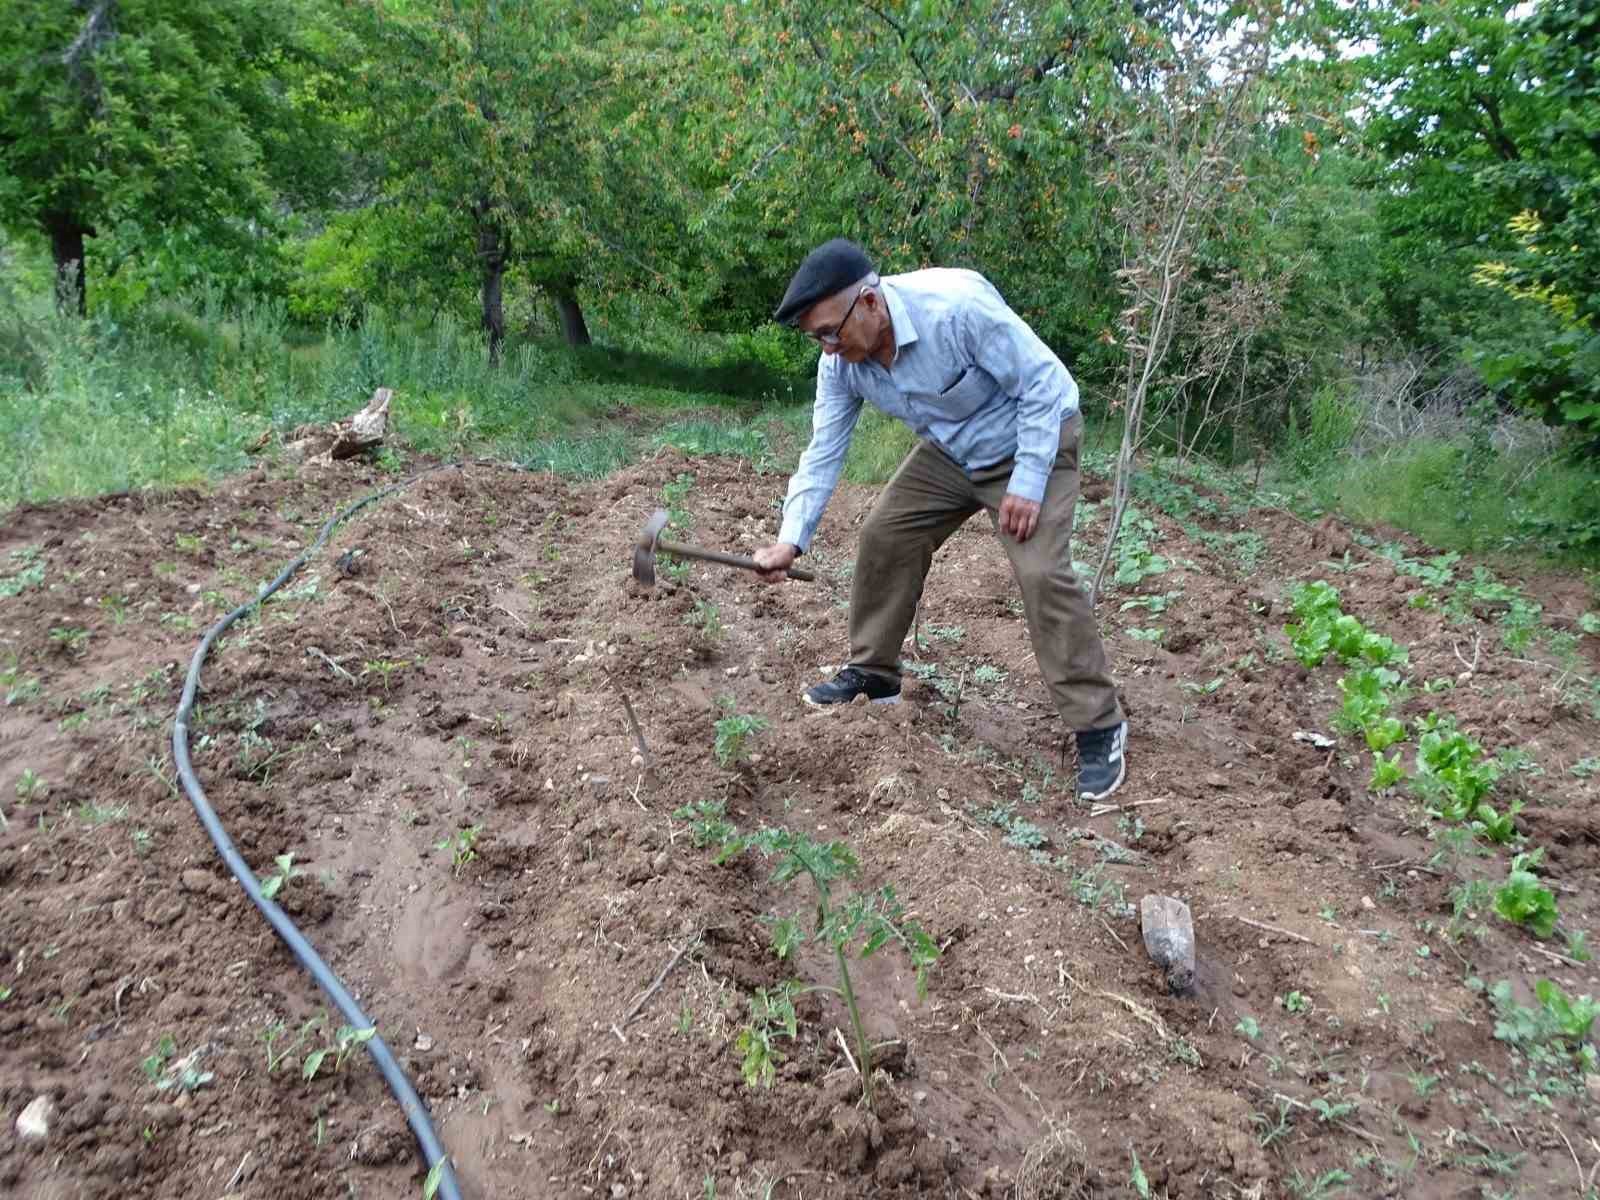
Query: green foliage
point(346, 1041)
point(1556, 1032)
point(868, 920)
point(1522, 901)
point(1136, 560)
point(29, 571)
point(733, 734)
point(1453, 775)
point(1323, 629)
point(1386, 772)
point(1367, 700)
point(461, 846)
point(708, 822)
point(1022, 833)
point(168, 128)
point(285, 871)
point(771, 1014)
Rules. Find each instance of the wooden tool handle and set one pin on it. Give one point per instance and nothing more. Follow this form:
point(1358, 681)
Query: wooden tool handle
point(727, 560)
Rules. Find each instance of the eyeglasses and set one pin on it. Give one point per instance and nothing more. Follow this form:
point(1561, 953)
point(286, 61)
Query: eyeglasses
point(830, 337)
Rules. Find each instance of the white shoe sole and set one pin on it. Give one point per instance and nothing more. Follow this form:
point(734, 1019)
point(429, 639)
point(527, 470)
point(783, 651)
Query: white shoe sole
point(1122, 773)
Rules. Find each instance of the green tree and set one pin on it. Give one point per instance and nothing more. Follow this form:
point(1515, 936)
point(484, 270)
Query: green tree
point(157, 115)
point(1487, 125)
point(517, 135)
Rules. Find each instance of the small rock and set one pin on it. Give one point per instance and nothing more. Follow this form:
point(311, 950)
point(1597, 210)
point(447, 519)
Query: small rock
point(33, 1123)
point(195, 880)
point(730, 672)
point(1367, 903)
point(618, 1191)
point(423, 1043)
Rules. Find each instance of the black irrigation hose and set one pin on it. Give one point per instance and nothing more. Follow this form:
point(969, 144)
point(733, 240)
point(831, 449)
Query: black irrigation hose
point(410, 1103)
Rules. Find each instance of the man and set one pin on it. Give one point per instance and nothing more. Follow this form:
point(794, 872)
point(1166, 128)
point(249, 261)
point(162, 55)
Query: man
point(997, 414)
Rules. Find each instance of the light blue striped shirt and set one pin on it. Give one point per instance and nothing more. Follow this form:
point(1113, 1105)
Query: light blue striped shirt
point(968, 375)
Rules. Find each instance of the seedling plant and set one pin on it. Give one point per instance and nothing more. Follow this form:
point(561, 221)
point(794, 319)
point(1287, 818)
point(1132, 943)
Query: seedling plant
point(857, 923)
point(286, 870)
point(462, 847)
point(734, 732)
point(346, 1041)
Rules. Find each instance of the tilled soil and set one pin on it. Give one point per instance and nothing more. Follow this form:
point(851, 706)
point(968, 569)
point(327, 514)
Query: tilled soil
point(457, 659)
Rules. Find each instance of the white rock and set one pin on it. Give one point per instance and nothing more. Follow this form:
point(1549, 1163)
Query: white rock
point(34, 1121)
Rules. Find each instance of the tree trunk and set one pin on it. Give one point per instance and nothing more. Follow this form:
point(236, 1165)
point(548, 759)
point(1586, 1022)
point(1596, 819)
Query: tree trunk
point(66, 245)
point(573, 328)
point(494, 252)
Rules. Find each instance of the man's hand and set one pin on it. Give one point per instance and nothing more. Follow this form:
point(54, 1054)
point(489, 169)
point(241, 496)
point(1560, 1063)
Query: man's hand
point(775, 559)
point(1019, 517)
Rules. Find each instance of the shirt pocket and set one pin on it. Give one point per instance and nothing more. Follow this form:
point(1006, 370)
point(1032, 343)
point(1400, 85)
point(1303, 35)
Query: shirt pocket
point(966, 394)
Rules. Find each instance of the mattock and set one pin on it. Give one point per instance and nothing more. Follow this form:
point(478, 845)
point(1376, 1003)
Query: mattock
point(651, 543)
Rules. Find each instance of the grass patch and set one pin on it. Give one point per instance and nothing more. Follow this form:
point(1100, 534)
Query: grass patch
point(1457, 498)
point(177, 394)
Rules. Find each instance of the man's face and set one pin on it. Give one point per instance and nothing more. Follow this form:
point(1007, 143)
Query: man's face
point(847, 323)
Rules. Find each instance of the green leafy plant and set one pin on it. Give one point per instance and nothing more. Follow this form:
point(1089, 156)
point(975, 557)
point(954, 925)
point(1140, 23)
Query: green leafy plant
point(1367, 699)
point(155, 1062)
point(29, 572)
point(733, 734)
point(1452, 775)
point(385, 669)
point(708, 822)
point(1322, 629)
point(1556, 1032)
point(462, 847)
point(346, 1041)
point(871, 920)
point(1136, 560)
point(1386, 772)
point(1019, 831)
point(771, 1014)
point(1522, 901)
point(286, 870)
point(30, 785)
point(706, 619)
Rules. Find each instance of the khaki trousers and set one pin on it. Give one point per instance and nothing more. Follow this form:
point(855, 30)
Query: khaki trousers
point(929, 498)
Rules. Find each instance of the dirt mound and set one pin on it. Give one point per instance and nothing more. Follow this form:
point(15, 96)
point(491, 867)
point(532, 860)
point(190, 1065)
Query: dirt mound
point(429, 719)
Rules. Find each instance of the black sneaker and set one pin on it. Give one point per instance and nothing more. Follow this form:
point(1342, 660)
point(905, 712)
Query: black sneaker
point(1101, 764)
point(850, 683)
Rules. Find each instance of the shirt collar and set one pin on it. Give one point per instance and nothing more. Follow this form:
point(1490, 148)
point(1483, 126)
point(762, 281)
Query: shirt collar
point(899, 317)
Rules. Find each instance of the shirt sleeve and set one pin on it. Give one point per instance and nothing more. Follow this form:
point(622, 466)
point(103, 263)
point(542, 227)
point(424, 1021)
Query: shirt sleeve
point(1005, 346)
point(833, 420)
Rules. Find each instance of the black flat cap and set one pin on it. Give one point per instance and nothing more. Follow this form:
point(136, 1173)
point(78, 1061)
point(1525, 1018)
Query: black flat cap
point(829, 268)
